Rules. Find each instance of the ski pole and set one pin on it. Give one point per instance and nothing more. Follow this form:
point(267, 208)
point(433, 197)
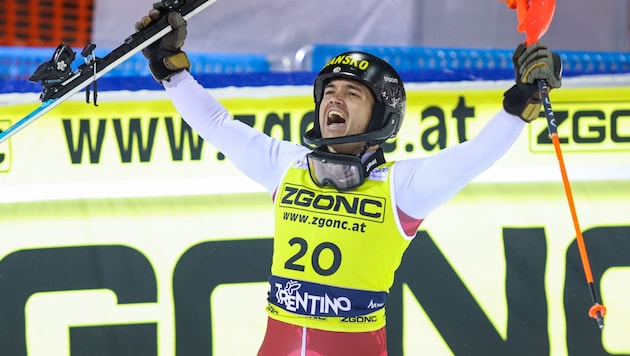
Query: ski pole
point(597, 311)
point(534, 17)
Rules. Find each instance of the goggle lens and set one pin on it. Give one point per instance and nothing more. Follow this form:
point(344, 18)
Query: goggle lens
point(343, 173)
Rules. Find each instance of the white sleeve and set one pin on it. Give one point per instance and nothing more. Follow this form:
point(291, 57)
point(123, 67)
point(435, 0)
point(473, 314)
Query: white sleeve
point(423, 184)
point(259, 156)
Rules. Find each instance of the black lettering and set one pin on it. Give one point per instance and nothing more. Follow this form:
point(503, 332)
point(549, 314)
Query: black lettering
point(599, 131)
point(444, 297)
point(455, 313)
point(365, 207)
point(607, 248)
point(373, 214)
point(248, 119)
point(324, 202)
point(135, 131)
point(358, 319)
point(305, 124)
point(389, 146)
point(195, 143)
point(307, 200)
point(119, 340)
point(290, 191)
point(200, 270)
point(525, 257)
point(126, 272)
point(543, 137)
point(461, 113)
point(350, 208)
point(614, 125)
point(273, 120)
point(94, 145)
point(336, 261)
point(290, 263)
point(437, 131)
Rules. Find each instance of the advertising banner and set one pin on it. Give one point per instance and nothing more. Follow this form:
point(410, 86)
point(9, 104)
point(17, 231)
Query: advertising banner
point(122, 231)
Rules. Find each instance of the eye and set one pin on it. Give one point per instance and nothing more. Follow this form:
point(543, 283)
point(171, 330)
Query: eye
point(355, 94)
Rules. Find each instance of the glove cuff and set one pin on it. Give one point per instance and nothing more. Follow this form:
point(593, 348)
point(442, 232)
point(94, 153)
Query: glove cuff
point(168, 66)
point(523, 101)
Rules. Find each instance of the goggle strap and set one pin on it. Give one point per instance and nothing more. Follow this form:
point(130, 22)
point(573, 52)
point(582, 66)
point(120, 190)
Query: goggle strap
point(374, 161)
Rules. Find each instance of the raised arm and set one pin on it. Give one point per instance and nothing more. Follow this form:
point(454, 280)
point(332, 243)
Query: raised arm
point(421, 185)
point(259, 156)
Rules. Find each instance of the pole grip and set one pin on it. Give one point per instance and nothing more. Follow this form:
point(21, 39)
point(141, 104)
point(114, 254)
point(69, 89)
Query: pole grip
point(543, 92)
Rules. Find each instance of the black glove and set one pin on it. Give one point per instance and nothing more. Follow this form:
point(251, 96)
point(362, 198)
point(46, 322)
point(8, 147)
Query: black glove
point(531, 64)
point(165, 56)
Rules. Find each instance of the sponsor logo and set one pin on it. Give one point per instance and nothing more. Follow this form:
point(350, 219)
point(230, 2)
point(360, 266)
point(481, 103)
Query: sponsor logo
point(375, 305)
point(371, 163)
point(360, 319)
point(356, 205)
point(584, 127)
point(361, 64)
point(290, 297)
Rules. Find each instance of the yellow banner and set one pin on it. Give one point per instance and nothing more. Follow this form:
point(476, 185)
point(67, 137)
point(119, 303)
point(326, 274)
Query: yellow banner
point(143, 144)
point(76, 264)
point(118, 223)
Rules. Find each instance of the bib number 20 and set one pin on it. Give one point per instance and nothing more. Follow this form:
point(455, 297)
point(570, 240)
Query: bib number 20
point(293, 263)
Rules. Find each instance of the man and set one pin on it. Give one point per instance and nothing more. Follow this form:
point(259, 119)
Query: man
point(329, 280)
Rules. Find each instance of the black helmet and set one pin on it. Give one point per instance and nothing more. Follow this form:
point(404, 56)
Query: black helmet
point(385, 85)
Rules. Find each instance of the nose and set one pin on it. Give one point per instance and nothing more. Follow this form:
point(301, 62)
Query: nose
point(336, 98)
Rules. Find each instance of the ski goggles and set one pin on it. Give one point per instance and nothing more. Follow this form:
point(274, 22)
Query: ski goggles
point(340, 171)
point(343, 172)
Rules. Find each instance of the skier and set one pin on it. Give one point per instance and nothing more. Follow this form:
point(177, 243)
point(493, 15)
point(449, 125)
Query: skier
point(330, 278)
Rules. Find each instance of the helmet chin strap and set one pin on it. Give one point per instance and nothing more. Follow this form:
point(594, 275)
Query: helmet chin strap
point(372, 138)
point(366, 146)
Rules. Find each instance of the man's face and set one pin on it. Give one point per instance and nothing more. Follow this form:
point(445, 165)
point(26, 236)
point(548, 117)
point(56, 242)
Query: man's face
point(345, 109)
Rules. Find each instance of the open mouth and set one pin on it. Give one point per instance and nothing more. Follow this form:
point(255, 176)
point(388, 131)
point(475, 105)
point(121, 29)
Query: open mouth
point(335, 117)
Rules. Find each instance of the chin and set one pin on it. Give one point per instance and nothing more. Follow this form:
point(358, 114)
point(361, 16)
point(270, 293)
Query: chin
point(328, 134)
point(346, 148)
